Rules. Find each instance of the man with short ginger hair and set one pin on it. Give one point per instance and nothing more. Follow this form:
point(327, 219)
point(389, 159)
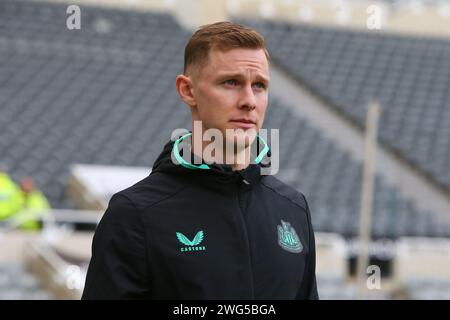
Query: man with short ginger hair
point(201, 226)
point(225, 83)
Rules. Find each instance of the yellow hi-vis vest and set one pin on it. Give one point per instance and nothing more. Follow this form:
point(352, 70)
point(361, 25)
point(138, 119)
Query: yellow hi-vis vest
point(11, 199)
point(35, 206)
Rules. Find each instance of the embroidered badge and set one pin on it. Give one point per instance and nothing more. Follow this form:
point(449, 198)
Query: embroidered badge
point(288, 238)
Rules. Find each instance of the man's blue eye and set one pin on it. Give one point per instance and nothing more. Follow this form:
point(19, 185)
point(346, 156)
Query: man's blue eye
point(261, 85)
point(232, 82)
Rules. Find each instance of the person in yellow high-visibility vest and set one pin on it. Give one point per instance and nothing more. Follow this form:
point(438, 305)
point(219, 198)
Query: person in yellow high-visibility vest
point(11, 199)
point(35, 205)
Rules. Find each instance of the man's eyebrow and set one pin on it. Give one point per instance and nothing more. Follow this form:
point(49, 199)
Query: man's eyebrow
point(239, 75)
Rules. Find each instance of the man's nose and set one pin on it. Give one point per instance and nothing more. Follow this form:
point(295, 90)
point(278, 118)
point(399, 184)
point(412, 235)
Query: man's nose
point(247, 99)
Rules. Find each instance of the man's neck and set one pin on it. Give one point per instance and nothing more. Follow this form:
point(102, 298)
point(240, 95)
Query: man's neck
point(238, 159)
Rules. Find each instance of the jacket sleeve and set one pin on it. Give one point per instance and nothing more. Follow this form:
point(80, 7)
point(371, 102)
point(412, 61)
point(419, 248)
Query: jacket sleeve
point(309, 287)
point(118, 268)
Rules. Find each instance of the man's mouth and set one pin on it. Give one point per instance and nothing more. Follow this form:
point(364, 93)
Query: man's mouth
point(244, 123)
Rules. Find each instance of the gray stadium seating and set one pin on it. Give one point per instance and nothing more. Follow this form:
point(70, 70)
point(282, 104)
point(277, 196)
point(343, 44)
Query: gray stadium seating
point(17, 283)
point(428, 289)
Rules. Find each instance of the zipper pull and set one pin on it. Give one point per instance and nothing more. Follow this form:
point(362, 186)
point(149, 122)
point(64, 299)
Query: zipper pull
point(243, 179)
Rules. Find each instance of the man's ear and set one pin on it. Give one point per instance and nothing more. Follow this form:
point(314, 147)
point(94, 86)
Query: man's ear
point(185, 89)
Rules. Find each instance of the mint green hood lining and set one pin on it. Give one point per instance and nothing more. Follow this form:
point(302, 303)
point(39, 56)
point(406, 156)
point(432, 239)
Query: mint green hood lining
point(188, 165)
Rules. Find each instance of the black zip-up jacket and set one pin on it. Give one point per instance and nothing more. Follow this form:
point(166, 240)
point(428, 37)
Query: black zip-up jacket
point(203, 234)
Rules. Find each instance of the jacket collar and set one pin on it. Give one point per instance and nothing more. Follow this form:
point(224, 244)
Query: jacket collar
point(217, 173)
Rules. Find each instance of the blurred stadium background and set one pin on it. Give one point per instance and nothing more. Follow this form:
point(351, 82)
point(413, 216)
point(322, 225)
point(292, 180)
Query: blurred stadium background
point(85, 112)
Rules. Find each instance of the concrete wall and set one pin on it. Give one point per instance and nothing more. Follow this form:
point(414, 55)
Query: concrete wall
point(408, 18)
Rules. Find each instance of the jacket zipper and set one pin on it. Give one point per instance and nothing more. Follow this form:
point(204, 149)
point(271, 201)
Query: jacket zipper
point(246, 237)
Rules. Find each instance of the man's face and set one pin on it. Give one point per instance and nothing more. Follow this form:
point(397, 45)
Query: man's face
point(231, 90)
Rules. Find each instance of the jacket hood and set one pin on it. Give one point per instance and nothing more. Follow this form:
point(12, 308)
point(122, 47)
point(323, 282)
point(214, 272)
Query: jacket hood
point(222, 173)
